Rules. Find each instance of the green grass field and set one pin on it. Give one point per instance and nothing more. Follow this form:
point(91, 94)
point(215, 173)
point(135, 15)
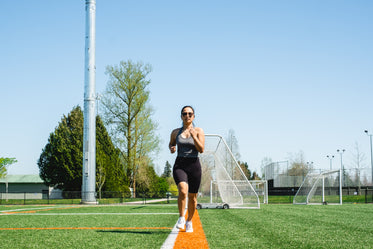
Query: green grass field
point(271, 226)
point(88, 216)
point(290, 226)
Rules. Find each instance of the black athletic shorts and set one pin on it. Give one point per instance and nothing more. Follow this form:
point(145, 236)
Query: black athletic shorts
point(188, 169)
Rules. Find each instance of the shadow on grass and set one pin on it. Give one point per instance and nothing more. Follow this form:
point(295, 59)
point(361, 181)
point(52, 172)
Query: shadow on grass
point(138, 207)
point(134, 232)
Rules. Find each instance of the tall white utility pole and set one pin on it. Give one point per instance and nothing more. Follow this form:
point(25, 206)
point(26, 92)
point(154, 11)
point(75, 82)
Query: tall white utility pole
point(89, 132)
point(371, 152)
point(341, 175)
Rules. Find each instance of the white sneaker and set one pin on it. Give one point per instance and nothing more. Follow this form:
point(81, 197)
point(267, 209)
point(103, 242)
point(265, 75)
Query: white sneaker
point(180, 223)
point(189, 227)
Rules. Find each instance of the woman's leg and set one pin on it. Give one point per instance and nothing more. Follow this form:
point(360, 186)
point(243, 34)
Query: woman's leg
point(194, 179)
point(192, 204)
point(181, 201)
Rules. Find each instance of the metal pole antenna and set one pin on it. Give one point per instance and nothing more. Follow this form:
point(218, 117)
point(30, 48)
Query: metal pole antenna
point(89, 130)
point(371, 152)
point(371, 156)
point(340, 176)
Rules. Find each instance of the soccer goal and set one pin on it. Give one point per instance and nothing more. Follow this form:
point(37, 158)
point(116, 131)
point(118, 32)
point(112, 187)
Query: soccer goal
point(261, 188)
point(320, 187)
point(223, 182)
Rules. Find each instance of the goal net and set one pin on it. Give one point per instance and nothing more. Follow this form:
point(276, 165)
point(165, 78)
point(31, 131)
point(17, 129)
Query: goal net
point(223, 180)
point(320, 187)
point(261, 188)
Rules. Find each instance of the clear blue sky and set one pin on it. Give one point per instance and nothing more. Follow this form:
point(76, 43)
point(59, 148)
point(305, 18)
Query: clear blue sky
point(286, 76)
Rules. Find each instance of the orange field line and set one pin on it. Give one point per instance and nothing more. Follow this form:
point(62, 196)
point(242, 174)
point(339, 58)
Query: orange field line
point(85, 228)
point(197, 239)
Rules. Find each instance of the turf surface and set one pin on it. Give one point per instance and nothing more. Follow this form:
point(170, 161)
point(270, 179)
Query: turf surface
point(290, 226)
point(271, 226)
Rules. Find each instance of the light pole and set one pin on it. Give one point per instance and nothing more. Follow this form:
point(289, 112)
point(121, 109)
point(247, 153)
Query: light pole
point(309, 166)
point(232, 163)
point(89, 123)
point(309, 169)
point(98, 98)
point(371, 152)
point(340, 175)
point(330, 160)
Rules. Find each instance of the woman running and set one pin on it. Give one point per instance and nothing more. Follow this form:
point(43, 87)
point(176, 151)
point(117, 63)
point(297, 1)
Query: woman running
point(189, 141)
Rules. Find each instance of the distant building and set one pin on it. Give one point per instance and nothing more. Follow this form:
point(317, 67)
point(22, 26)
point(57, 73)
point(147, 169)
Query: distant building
point(16, 186)
point(22, 183)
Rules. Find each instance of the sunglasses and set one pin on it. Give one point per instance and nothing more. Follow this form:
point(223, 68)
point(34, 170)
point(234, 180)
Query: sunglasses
point(190, 114)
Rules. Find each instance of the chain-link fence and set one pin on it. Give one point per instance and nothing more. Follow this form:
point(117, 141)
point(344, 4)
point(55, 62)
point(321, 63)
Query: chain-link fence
point(362, 194)
point(284, 180)
point(282, 174)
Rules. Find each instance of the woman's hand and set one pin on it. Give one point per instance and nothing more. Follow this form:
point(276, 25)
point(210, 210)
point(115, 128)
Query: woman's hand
point(193, 133)
point(172, 144)
point(199, 138)
point(172, 149)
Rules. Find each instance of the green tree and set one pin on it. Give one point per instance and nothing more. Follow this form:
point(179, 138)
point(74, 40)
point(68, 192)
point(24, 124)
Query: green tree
point(255, 176)
point(5, 162)
point(127, 113)
point(162, 186)
point(61, 160)
point(167, 175)
point(167, 170)
point(298, 168)
point(149, 184)
point(110, 175)
point(245, 169)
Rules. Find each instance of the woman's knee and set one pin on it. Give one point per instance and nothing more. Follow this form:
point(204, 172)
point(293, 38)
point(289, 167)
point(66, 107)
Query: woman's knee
point(192, 197)
point(183, 189)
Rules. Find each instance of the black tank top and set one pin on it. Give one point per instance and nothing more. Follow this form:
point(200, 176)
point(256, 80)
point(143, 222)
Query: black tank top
point(185, 146)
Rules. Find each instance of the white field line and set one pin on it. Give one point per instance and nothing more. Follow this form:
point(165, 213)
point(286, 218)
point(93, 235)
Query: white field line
point(147, 201)
point(30, 209)
point(76, 206)
point(168, 244)
point(170, 241)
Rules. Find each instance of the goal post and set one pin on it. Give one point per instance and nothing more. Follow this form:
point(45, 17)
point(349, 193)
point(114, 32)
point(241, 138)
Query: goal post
point(223, 180)
point(320, 187)
point(261, 188)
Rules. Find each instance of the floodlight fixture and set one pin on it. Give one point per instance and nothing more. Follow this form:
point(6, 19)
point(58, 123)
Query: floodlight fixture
point(330, 160)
